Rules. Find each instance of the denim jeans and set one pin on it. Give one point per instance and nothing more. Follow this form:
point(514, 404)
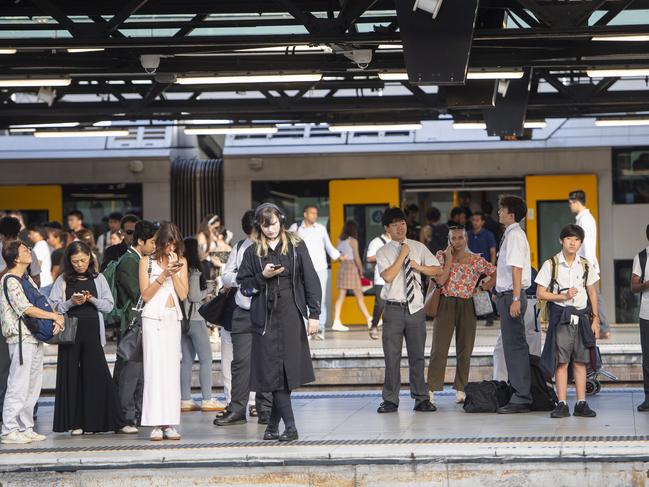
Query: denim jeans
point(196, 342)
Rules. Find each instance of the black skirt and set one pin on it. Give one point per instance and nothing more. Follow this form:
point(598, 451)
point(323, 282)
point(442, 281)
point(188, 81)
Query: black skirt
point(86, 395)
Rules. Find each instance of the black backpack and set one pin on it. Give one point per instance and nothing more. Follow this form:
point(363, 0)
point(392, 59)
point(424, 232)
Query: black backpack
point(543, 396)
point(486, 396)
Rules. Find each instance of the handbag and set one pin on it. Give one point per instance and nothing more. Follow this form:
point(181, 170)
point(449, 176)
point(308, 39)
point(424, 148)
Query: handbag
point(185, 323)
point(482, 303)
point(68, 335)
point(213, 311)
point(431, 303)
point(129, 348)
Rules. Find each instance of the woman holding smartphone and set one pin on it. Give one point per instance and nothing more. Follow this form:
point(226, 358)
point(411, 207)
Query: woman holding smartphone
point(278, 274)
point(163, 284)
point(86, 397)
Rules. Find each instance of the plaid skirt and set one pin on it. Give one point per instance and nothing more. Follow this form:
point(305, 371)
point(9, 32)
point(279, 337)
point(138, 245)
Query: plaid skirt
point(348, 276)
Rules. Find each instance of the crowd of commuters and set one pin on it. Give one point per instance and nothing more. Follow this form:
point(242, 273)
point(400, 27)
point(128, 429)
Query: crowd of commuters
point(275, 282)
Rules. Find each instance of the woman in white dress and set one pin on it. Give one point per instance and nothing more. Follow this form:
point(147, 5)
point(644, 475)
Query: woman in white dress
point(163, 284)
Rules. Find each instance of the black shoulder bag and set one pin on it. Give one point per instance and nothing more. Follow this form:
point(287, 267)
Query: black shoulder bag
point(130, 346)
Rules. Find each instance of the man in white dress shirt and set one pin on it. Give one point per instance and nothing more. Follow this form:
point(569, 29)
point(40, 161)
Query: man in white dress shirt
point(401, 263)
point(319, 244)
point(585, 219)
point(513, 277)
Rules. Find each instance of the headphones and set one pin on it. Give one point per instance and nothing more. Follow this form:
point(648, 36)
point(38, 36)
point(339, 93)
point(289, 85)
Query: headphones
point(272, 206)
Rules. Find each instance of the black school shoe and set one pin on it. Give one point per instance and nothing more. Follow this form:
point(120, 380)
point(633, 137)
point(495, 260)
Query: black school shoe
point(425, 406)
point(290, 434)
point(271, 433)
point(514, 408)
point(263, 417)
point(644, 407)
point(583, 410)
point(387, 407)
point(561, 411)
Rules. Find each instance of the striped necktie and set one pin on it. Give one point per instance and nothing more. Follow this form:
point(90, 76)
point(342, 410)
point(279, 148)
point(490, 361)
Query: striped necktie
point(411, 281)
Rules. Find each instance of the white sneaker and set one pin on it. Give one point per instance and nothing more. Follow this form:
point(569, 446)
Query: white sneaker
point(460, 396)
point(170, 433)
point(319, 336)
point(32, 435)
point(15, 438)
point(338, 326)
point(212, 405)
point(156, 434)
point(77, 432)
point(128, 430)
point(189, 405)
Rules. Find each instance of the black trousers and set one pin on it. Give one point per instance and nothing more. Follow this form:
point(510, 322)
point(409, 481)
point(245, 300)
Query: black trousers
point(240, 367)
point(129, 377)
point(378, 305)
point(644, 344)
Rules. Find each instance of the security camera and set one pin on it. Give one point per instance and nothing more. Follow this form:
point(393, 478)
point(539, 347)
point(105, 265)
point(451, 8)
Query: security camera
point(362, 57)
point(150, 62)
point(430, 6)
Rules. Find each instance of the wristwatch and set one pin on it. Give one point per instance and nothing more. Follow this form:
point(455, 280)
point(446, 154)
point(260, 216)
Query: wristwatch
point(516, 298)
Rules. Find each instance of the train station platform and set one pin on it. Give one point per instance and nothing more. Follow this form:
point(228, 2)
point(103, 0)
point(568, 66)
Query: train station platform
point(343, 441)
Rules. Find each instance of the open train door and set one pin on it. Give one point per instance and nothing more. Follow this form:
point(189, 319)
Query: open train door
point(364, 201)
point(39, 204)
point(548, 212)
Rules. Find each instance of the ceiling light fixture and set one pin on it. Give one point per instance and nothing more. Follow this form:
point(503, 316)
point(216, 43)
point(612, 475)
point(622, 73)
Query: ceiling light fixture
point(81, 133)
point(617, 73)
point(45, 125)
point(375, 127)
point(7, 83)
point(205, 122)
point(621, 122)
point(535, 124)
point(430, 6)
point(298, 48)
point(388, 47)
point(230, 130)
point(7, 51)
point(84, 49)
point(517, 74)
point(270, 78)
point(623, 38)
point(469, 125)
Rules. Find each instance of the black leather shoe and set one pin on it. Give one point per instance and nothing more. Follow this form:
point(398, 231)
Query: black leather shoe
point(425, 406)
point(512, 408)
point(271, 433)
point(230, 418)
point(561, 411)
point(223, 413)
point(644, 407)
point(263, 418)
point(290, 434)
point(387, 407)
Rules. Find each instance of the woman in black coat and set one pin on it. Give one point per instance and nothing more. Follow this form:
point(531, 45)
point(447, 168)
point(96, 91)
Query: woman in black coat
point(278, 274)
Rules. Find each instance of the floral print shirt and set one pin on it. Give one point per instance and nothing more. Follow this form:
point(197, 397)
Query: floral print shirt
point(10, 312)
point(463, 278)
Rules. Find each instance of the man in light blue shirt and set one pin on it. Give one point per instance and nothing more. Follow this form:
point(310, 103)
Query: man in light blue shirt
point(319, 244)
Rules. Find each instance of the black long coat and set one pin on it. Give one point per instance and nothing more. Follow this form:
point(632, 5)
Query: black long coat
point(280, 349)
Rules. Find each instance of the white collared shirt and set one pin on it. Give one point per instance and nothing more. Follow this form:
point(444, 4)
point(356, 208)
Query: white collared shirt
point(644, 299)
point(318, 244)
point(230, 270)
point(588, 248)
point(514, 252)
point(568, 276)
point(372, 249)
point(396, 290)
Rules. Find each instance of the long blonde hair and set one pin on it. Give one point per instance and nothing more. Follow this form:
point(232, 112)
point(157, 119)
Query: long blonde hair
point(265, 218)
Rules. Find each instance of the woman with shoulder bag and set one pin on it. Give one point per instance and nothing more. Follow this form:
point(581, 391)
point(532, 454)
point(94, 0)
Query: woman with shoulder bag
point(461, 271)
point(26, 353)
point(195, 340)
point(86, 398)
point(162, 291)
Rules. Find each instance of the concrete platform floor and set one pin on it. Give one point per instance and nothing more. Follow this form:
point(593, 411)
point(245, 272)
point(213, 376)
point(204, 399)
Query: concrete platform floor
point(339, 428)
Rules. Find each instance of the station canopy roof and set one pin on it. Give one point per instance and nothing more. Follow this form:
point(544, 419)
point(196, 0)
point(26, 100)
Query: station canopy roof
point(95, 64)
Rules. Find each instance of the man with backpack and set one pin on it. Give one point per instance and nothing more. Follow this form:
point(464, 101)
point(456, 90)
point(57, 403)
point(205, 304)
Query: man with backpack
point(123, 278)
point(566, 284)
point(378, 282)
point(640, 284)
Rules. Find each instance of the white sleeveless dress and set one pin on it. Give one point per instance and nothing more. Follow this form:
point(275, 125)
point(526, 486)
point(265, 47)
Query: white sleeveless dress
point(162, 355)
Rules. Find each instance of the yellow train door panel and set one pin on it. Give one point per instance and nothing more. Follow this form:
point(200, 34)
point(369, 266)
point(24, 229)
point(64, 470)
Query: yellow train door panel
point(364, 201)
point(548, 212)
point(33, 199)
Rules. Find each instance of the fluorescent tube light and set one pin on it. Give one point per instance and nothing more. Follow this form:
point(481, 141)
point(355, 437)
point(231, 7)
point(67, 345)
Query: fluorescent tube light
point(204, 122)
point(623, 38)
point(84, 49)
point(270, 78)
point(230, 130)
point(6, 83)
point(82, 133)
point(393, 76)
point(494, 75)
point(375, 127)
point(388, 47)
point(535, 124)
point(621, 122)
point(298, 48)
point(141, 81)
point(7, 51)
point(45, 125)
point(470, 125)
point(617, 73)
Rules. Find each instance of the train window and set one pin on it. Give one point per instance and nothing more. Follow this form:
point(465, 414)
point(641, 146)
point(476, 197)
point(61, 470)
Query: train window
point(552, 216)
point(293, 196)
point(631, 175)
point(627, 304)
point(97, 201)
